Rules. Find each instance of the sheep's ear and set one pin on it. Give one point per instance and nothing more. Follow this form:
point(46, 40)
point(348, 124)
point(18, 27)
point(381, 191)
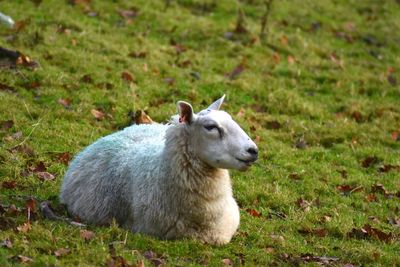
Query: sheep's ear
point(185, 112)
point(217, 104)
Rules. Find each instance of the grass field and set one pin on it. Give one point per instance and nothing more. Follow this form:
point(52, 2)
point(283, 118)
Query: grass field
point(320, 94)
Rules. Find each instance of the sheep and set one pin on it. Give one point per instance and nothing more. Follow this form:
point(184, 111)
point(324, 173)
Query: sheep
point(169, 181)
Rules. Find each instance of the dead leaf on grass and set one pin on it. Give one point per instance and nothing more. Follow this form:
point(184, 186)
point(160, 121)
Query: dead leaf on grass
point(234, 74)
point(23, 148)
point(253, 212)
point(9, 184)
point(141, 54)
point(61, 252)
point(6, 243)
point(5, 125)
point(99, 115)
point(273, 125)
point(127, 76)
point(367, 231)
point(227, 262)
point(45, 176)
point(154, 258)
point(66, 102)
point(370, 161)
point(87, 235)
point(64, 157)
point(389, 167)
point(22, 259)
point(24, 228)
point(7, 88)
point(395, 136)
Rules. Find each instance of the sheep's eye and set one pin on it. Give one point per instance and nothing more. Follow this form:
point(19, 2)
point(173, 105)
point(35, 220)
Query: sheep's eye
point(210, 127)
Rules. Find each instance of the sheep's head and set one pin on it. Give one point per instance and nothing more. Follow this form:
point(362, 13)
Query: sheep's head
point(216, 139)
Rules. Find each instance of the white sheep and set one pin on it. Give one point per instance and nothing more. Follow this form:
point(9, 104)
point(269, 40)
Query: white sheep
point(169, 181)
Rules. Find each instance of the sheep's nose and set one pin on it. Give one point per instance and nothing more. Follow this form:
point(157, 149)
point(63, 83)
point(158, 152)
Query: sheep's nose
point(253, 151)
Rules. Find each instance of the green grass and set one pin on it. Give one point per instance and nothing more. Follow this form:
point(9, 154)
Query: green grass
point(340, 69)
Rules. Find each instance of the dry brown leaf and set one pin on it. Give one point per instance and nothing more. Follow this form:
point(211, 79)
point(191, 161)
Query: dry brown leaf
point(6, 243)
point(227, 262)
point(64, 158)
point(127, 76)
point(61, 252)
point(395, 136)
point(5, 125)
point(24, 228)
point(253, 212)
point(234, 74)
point(24, 259)
point(87, 235)
point(9, 184)
point(291, 60)
point(99, 115)
point(45, 176)
point(66, 102)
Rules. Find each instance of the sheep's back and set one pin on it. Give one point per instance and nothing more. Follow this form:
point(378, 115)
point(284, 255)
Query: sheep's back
point(103, 180)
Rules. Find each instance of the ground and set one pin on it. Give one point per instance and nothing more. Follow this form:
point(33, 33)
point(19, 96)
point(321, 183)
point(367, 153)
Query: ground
point(319, 93)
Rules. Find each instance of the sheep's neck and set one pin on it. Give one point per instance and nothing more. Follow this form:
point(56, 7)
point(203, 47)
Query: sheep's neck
point(190, 172)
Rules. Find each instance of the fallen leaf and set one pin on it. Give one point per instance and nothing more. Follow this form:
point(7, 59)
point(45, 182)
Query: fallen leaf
point(357, 116)
point(129, 13)
point(9, 184)
point(87, 78)
point(394, 221)
point(284, 40)
point(99, 115)
point(24, 228)
point(6, 243)
point(153, 257)
point(276, 58)
point(395, 136)
point(371, 198)
point(66, 102)
point(294, 176)
point(379, 188)
point(235, 72)
point(141, 54)
point(326, 218)
point(169, 80)
point(343, 173)
point(291, 60)
point(40, 167)
point(87, 235)
point(273, 125)
point(227, 262)
point(389, 167)
point(23, 148)
point(23, 259)
point(392, 79)
point(31, 85)
point(7, 88)
point(5, 125)
point(253, 212)
point(64, 158)
point(367, 231)
point(61, 252)
point(321, 260)
point(300, 143)
point(241, 113)
point(13, 137)
point(369, 161)
point(303, 204)
point(142, 118)
point(45, 176)
point(127, 76)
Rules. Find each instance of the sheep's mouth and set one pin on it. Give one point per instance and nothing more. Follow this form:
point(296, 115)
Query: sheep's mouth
point(247, 161)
